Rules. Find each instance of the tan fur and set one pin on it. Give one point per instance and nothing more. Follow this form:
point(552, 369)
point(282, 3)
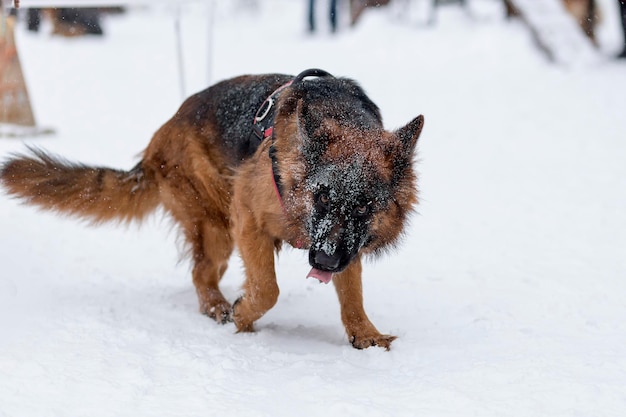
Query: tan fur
point(96, 194)
point(218, 206)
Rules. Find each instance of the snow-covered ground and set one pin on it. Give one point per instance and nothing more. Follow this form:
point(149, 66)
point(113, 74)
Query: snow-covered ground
point(508, 294)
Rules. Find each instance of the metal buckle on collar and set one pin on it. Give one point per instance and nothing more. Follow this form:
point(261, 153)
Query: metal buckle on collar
point(266, 107)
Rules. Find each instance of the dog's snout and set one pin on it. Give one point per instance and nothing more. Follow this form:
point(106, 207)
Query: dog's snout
point(330, 262)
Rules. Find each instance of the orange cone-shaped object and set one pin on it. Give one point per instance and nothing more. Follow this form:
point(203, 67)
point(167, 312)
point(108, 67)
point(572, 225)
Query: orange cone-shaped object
point(15, 105)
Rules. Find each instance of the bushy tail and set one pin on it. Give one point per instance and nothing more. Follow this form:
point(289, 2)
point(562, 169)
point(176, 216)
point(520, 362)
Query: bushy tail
point(94, 193)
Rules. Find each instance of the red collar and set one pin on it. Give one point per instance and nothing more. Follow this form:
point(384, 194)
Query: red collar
point(263, 128)
point(263, 124)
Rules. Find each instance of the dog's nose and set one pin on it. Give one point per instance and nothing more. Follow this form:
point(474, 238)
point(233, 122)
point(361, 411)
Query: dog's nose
point(329, 262)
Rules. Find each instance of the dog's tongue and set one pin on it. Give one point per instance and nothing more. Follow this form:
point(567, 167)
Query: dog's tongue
point(322, 276)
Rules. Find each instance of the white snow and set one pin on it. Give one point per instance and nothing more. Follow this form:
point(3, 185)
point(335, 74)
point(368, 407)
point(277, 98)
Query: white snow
point(508, 293)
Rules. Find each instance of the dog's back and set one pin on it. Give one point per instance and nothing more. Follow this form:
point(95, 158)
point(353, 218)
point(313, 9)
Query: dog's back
point(216, 120)
point(223, 113)
point(347, 180)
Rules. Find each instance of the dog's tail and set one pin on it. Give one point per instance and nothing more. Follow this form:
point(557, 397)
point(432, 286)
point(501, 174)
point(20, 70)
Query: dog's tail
point(95, 194)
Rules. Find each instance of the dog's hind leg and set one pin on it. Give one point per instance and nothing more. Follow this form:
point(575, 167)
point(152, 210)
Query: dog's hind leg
point(211, 246)
point(206, 229)
point(209, 239)
point(195, 191)
point(361, 332)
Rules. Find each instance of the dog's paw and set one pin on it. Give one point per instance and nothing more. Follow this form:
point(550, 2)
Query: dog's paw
point(242, 326)
point(380, 340)
point(220, 312)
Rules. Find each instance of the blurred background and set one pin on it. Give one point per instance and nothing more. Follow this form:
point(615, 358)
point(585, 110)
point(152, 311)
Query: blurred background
point(507, 293)
point(199, 42)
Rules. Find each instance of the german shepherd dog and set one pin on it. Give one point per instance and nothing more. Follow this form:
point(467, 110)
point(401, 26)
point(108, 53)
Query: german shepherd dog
point(253, 162)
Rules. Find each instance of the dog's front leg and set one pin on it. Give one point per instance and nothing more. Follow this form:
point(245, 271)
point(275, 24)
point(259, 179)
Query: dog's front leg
point(260, 288)
point(360, 330)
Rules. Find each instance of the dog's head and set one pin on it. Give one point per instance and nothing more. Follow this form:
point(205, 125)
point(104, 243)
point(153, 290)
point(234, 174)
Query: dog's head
point(348, 183)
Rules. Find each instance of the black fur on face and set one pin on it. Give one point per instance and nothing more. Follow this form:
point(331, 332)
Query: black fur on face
point(353, 179)
point(345, 197)
point(340, 99)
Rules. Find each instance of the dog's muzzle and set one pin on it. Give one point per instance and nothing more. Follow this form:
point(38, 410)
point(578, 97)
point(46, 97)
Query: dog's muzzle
point(326, 262)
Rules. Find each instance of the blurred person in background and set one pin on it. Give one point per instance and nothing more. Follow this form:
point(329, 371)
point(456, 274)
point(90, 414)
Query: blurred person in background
point(622, 9)
point(67, 21)
point(83, 21)
point(332, 15)
point(33, 19)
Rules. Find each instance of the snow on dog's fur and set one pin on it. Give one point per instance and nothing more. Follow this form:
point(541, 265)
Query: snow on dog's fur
point(346, 187)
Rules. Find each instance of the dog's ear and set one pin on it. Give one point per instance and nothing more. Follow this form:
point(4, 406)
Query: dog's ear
point(409, 134)
point(313, 134)
point(308, 122)
point(301, 123)
point(310, 126)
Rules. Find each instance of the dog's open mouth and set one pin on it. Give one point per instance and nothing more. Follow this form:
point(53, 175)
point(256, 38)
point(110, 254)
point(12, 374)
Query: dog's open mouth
point(322, 276)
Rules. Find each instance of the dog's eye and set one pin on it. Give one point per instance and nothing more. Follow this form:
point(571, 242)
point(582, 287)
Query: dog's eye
point(361, 210)
point(323, 200)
